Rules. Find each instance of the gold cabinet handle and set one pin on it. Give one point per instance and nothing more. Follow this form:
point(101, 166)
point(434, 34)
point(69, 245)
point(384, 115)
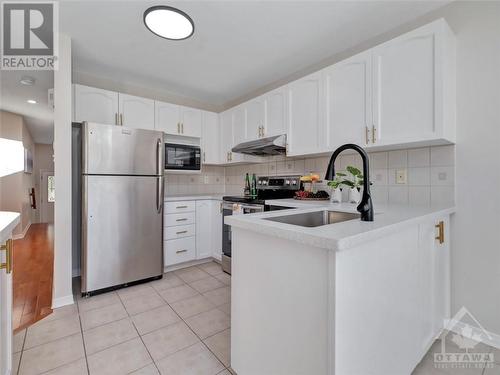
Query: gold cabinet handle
point(181, 251)
point(121, 119)
point(440, 228)
point(184, 219)
point(181, 232)
point(204, 157)
point(178, 128)
point(8, 256)
point(374, 134)
point(263, 131)
point(116, 119)
point(367, 135)
point(178, 207)
point(182, 127)
point(230, 156)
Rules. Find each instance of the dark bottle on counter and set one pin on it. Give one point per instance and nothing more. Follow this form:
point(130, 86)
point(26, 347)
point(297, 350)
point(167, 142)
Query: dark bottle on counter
point(247, 190)
point(253, 189)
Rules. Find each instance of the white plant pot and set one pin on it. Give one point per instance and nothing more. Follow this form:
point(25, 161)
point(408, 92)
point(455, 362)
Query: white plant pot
point(354, 195)
point(336, 196)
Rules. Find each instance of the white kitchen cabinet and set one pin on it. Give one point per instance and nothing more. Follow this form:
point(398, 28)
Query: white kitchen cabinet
point(348, 101)
point(226, 135)
point(203, 229)
point(255, 118)
point(413, 86)
point(191, 120)
point(276, 112)
point(216, 228)
point(95, 105)
point(210, 138)
point(167, 117)
point(434, 278)
point(239, 125)
point(178, 120)
point(136, 112)
point(8, 220)
point(231, 135)
point(306, 125)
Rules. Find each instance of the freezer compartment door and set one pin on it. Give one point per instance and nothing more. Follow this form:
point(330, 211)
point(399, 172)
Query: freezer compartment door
point(121, 230)
point(116, 150)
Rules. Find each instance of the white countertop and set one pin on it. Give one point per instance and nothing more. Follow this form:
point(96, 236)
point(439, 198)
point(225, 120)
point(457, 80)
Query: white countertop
point(193, 197)
point(340, 236)
point(8, 221)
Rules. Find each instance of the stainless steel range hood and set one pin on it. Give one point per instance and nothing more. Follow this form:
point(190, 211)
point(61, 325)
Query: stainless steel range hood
point(275, 145)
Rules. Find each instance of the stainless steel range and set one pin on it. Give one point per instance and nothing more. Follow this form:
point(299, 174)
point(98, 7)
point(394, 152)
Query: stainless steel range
point(268, 187)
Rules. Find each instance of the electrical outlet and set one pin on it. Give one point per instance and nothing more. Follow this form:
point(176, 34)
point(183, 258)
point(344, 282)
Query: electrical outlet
point(205, 180)
point(400, 176)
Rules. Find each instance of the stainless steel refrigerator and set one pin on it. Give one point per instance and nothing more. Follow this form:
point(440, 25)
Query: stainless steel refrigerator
point(122, 205)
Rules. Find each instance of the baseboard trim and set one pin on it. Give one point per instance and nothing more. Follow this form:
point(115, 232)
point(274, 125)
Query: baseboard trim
point(179, 266)
point(491, 339)
point(21, 235)
point(62, 301)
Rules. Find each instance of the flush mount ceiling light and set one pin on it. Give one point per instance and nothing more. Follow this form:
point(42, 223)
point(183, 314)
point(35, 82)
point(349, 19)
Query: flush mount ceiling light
point(27, 80)
point(31, 101)
point(169, 23)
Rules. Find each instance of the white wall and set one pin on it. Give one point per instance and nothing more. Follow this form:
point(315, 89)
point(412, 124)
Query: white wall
point(62, 289)
point(475, 246)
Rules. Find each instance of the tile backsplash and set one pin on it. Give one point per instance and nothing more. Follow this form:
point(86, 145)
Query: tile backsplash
point(209, 181)
point(428, 175)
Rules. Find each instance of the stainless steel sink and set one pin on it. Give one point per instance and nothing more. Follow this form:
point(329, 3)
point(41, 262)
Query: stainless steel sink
point(315, 219)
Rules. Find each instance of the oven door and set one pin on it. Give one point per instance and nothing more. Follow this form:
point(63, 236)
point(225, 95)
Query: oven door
point(228, 209)
point(180, 157)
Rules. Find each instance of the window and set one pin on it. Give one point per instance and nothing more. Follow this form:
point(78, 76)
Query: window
point(51, 189)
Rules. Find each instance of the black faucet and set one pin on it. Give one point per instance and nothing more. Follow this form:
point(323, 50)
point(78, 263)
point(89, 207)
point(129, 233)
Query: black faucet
point(365, 207)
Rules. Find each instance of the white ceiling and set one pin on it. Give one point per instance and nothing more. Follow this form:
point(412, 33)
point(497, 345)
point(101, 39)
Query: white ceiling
point(39, 117)
point(237, 48)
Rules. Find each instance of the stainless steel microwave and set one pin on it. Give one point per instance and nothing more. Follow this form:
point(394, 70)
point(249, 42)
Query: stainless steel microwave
point(182, 157)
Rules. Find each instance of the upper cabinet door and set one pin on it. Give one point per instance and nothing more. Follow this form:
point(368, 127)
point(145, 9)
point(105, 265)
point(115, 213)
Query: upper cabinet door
point(226, 135)
point(239, 125)
point(167, 117)
point(95, 105)
point(255, 118)
point(305, 115)
point(210, 138)
point(276, 109)
point(191, 122)
point(407, 86)
point(348, 101)
point(137, 112)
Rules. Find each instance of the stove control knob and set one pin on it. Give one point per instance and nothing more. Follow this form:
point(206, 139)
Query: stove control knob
point(294, 182)
point(260, 182)
point(287, 182)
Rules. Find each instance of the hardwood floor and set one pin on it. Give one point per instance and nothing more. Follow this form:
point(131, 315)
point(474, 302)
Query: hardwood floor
point(32, 275)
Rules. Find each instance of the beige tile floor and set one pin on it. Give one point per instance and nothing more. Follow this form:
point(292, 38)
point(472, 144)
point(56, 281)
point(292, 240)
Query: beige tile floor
point(177, 325)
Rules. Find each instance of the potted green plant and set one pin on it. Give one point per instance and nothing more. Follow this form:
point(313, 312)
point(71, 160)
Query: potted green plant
point(336, 186)
point(355, 182)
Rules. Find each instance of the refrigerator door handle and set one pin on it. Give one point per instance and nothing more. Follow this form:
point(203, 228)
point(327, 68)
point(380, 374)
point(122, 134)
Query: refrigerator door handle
point(159, 181)
point(159, 194)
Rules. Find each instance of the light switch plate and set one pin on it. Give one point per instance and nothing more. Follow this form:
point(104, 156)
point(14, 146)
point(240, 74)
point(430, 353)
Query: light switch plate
point(400, 176)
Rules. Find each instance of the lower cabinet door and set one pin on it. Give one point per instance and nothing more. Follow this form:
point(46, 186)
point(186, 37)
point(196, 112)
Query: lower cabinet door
point(179, 250)
point(203, 229)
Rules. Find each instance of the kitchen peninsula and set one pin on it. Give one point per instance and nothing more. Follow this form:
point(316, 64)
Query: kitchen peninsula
point(318, 291)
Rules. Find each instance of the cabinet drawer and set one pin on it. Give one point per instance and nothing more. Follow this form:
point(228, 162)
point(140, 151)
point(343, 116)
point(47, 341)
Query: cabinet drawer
point(179, 219)
point(180, 250)
point(182, 206)
point(181, 231)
